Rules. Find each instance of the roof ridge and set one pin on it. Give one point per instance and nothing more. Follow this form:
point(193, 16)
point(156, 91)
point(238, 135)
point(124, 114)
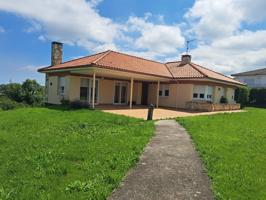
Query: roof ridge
point(137, 57)
point(101, 57)
point(173, 62)
point(215, 72)
point(169, 70)
point(192, 65)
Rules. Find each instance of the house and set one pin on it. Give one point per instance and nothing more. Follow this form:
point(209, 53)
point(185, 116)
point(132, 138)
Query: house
point(119, 79)
point(254, 79)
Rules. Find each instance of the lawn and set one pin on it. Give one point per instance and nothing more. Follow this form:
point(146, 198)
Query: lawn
point(61, 154)
point(233, 149)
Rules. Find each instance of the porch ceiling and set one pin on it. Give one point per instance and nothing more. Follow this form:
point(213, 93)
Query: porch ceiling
point(117, 74)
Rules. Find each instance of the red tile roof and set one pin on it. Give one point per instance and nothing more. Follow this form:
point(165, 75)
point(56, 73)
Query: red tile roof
point(193, 70)
point(123, 62)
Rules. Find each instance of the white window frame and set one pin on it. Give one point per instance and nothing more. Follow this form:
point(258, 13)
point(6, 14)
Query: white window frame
point(61, 86)
point(163, 88)
point(120, 83)
point(203, 89)
point(89, 87)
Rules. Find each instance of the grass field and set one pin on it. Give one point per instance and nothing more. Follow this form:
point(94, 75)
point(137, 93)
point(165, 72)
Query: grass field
point(56, 154)
point(233, 149)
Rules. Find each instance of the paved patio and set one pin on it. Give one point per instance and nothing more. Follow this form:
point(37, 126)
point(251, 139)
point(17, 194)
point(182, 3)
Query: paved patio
point(159, 113)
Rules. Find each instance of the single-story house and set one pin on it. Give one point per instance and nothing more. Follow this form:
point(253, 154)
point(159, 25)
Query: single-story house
point(119, 79)
point(254, 79)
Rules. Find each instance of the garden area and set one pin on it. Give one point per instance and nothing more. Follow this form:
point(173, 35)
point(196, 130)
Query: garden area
point(56, 153)
point(233, 149)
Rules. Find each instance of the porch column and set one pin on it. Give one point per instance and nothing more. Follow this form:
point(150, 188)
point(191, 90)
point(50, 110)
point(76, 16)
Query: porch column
point(93, 90)
point(131, 93)
point(157, 97)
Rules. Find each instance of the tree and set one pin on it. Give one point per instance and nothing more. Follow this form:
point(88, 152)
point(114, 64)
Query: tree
point(13, 91)
point(32, 92)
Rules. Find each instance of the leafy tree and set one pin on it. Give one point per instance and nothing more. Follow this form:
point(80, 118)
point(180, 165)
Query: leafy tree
point(32, 92)
point(13, 91)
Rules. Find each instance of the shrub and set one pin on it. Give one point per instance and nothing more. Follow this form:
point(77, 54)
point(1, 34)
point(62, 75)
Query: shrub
point(65, 102)
point(13, 91)
point(32, 92)
point(8, 104)
point(242, 96)
point(29, 92)
point(79, 104)
point(257, 96)
point(223, 100)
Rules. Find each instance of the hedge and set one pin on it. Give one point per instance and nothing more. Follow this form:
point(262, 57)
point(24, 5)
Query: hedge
point(257, 96)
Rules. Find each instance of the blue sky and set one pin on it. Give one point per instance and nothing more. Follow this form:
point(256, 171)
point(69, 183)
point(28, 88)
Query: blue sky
point(229, 34)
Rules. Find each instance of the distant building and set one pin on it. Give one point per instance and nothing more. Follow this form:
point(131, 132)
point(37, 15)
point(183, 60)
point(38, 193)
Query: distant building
point(254, 78)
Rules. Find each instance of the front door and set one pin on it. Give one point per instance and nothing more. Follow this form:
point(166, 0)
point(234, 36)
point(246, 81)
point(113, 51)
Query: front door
point(144, 95)
point(120, 94)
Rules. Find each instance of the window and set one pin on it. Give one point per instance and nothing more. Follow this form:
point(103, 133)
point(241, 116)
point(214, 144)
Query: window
point(164, 91)
point(61, 86)
point(86, 90)
point(202, 92)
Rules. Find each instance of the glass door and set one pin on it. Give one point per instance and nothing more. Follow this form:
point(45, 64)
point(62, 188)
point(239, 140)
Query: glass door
point(120, 94)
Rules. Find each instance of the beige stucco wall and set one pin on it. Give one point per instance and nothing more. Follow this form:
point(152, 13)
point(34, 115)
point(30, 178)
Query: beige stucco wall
point(184, 94)
point(53, 97)
point(106, 91)
point(179, 94)
point(74, 88)
point(137, 92)
point(229, 94)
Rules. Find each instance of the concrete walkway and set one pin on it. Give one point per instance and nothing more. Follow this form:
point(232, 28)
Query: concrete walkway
point(168, 169)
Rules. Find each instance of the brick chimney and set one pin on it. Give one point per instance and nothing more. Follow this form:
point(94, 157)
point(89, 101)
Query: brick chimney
point(186, 59)
point(56, 54)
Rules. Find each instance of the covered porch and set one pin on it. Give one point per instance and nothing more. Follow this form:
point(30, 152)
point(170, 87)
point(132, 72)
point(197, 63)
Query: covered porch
point(159, 113)
point(109, 87)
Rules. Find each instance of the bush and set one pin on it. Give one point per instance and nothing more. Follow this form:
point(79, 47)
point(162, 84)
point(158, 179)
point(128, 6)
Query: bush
point(65, 102)
point(257, 96)
point(79, 104)
point(12, 91)
point(223, 100)
point(242, 96)
point(8, 104)
point(29, 92)
point(32, 92)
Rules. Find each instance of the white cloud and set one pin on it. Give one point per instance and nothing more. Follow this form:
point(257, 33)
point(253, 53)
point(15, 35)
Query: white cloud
point(214, 19)
point(223, 43)
point(244, 51)
point(31, 68)
point(160, 39)
point(72, 21)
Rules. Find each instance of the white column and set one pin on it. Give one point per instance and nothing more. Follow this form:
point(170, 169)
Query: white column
point(93, 90)
point(131, 92)
point(157, 97)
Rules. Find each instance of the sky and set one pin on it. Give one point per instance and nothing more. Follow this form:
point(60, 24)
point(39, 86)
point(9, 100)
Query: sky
point(228, 36)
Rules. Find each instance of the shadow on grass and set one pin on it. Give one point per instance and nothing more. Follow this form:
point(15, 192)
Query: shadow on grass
point(257, 105)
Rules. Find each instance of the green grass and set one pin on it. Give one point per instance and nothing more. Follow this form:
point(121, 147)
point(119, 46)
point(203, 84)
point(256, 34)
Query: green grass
point(233, 149)
point(56, 154)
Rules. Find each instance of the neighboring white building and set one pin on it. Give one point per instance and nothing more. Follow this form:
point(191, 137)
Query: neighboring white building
point(254, 79)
